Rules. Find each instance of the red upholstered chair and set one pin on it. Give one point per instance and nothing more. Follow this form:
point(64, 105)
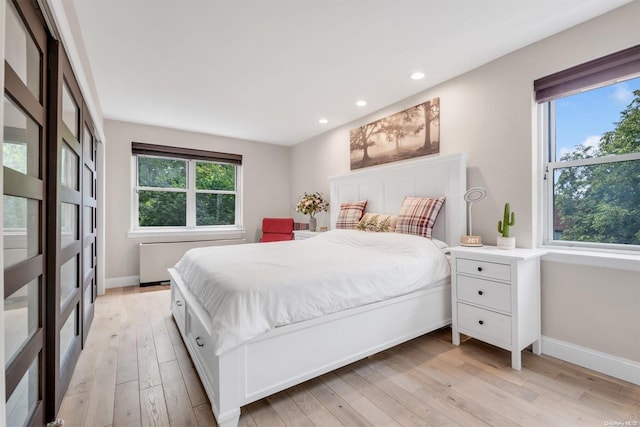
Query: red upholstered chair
point(277, 229)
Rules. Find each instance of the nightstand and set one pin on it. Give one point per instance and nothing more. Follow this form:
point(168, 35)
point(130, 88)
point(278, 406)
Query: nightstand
point(495, 296)
point(304, 234)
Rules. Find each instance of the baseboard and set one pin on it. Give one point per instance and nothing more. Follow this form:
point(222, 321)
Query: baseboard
point(614, 366)
point(121, 282)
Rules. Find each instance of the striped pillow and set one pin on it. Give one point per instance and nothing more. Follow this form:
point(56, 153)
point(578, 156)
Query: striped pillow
point(350, 214)
point(418, 215)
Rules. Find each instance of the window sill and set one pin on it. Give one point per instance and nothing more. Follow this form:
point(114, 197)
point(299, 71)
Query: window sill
point(218, 233)
point(616, 260)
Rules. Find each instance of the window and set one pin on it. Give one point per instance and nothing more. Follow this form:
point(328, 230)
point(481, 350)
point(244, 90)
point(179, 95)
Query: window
point(185, 189)
point(592, 153)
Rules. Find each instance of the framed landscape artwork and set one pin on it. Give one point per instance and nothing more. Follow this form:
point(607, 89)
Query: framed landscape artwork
point(410, 133)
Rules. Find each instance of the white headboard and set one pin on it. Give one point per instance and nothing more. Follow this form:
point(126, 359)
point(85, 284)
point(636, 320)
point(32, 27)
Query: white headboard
point(385, 187)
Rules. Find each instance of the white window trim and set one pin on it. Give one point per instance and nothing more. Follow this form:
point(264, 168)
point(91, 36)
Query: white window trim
point(236, 231)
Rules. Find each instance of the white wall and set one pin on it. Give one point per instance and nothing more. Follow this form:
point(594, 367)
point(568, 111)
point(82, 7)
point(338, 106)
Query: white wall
point(490, 113)
point(265, 185)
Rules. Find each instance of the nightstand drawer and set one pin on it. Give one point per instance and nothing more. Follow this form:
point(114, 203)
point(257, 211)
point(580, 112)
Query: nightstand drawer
point(482, 292)
point(484, 324)
point(490, 270)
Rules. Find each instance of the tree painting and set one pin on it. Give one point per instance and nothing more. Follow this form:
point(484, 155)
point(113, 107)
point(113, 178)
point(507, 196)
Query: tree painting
point(410, 133)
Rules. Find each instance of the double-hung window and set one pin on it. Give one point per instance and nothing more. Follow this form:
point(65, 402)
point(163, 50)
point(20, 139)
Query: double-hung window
point(591, 117)
point(185, 189)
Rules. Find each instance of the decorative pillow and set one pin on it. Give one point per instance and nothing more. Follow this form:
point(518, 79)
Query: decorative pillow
point(378, 222)
point(418, 215)
point(350, 214)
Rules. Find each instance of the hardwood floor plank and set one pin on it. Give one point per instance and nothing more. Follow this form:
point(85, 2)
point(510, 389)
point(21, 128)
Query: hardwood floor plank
point(264, 415)
point(153, 410)
point(127, 405)
point(176, 397)
point(164, 348)
point(312, 408)
point(101, 402)
point(148, 370)
point(287, 409)
point(73, 409)
point(344, 412)
point(204, 416)
point(196, 392)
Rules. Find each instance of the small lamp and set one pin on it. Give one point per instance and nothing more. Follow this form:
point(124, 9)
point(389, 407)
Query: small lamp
point(471, 196)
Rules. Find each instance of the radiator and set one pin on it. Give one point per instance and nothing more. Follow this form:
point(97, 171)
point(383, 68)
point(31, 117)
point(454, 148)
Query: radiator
point(156, 258)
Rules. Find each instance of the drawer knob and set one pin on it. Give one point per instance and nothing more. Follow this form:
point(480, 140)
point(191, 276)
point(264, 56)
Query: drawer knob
point(479, 268)
point(179, 303)
point(481, 322)
point(198, 342)
point(480, 292)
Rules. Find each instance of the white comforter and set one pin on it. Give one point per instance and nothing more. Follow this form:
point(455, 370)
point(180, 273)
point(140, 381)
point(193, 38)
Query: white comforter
point(253, 288)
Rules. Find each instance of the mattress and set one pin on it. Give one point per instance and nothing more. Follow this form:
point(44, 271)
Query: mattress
point(250, 289)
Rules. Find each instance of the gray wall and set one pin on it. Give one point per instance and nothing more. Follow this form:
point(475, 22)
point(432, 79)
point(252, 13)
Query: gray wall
point(490, 113)
point(265, 185)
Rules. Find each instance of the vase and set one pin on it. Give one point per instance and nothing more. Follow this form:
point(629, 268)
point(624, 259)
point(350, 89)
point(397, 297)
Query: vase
point(506, 242)
point(313, 224)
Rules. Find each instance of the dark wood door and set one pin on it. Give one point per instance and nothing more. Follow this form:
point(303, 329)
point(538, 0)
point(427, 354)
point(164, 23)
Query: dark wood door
point(24, 222)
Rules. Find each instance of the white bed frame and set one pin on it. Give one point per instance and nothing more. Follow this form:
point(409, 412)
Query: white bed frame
point(289, 355)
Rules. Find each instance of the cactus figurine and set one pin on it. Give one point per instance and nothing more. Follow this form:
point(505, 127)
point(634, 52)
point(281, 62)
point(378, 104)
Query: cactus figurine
point(503, 226)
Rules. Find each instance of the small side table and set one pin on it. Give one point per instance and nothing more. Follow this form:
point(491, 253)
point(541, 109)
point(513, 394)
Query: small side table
point(304, 234)
point(495, 296)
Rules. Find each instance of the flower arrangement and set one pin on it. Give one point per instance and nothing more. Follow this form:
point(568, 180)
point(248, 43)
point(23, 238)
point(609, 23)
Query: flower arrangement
point(309, 204)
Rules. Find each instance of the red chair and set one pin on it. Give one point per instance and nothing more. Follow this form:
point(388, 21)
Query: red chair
point(277, 229)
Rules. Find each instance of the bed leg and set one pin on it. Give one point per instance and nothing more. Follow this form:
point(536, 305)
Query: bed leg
point(229, 418)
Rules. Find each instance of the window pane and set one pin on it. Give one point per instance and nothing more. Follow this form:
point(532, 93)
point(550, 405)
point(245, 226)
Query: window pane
point(68, 279)
point(161, 172)
point(21, 317)
point(24, 398)
point(21, 229)
point(21, 53)
point(88, 299)
point(68, 224)
point(87, 179)
point(598, 203)
point(21, 147)
point(67, 334)
point(87, 259)
point(162, 208)
point(215, 176)
point(88, 220)
point(69, 168)
point(215, 209)
point(70, 113)
point(585, 123)
point(87, 144)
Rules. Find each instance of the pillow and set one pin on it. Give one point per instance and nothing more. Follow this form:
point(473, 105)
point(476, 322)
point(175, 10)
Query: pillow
point(378, 222)
point(350, 214)
point(418, 215)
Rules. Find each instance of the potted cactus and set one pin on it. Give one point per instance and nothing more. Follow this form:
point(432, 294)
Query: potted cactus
point(508, 219)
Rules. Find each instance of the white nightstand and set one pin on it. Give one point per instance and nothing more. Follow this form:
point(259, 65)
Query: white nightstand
point(304, 234)
point(496, 297)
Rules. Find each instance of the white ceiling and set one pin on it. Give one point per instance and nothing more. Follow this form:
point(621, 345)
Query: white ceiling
point(267, 70)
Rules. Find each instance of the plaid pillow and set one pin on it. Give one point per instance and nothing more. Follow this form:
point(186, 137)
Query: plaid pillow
point(350, 214)
point(418, 215)
point(378, 222)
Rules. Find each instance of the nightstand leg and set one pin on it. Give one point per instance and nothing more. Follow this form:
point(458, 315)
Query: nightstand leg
point(516, 360)
point(455, 336)
point(536, 347)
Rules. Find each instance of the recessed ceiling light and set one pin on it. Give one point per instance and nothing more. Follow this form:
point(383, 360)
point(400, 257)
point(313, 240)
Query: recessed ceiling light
point(417, 75)
point(361, 103)
point(323, 121)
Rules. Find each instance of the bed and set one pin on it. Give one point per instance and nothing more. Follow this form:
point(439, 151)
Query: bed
point(256, 363)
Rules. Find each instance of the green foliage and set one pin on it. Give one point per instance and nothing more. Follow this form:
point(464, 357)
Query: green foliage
point(161, 172)
point(503, 226)
point(601, 203)
point(162, 209)
point(215, 176)
point(215, 209)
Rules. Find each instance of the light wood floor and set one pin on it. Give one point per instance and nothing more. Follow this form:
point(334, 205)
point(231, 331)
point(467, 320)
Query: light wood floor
point(135, 371)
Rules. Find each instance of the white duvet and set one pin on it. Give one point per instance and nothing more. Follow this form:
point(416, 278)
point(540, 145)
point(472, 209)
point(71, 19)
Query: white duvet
point(253, 288)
